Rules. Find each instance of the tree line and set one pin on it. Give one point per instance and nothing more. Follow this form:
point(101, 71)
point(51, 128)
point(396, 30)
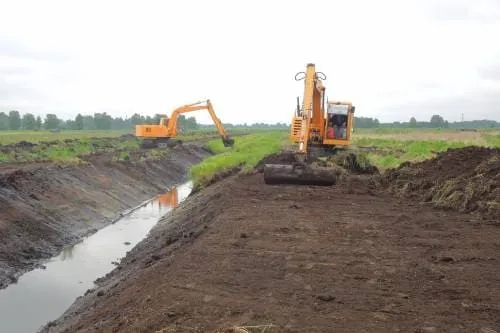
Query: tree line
point(436, 121)
point(99, 121)
point(102, 121)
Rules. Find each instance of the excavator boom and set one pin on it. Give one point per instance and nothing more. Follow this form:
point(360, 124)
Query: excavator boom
point(167, 129)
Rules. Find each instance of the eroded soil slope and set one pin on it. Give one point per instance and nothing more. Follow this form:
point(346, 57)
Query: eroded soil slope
point(347, 258)
point(46, 206)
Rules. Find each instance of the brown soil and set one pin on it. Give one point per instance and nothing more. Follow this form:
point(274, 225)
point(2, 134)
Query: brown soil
point(347, 258)
point(46, 206)
point(465, 179)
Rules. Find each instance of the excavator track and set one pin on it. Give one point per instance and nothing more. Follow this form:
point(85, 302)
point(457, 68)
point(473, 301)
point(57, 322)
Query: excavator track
point(162, 143)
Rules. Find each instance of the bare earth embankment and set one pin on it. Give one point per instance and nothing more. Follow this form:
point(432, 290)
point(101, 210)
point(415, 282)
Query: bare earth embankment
point(375, 253)
point(45, 206)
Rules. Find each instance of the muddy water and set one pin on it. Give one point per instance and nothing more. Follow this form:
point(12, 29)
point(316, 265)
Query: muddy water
point(42, 295)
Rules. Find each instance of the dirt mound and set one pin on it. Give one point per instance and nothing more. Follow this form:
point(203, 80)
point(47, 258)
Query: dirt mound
point(352, 162)
point(127, 137)
point(464, 179)
point(21, 145)
point(285, 157)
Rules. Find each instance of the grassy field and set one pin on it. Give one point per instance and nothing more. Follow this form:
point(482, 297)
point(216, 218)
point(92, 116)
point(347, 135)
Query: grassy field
point(10, 137)
point(384, 147)
point(68, 151)
point(247, 152)
point(66, 146)
point(387, 148)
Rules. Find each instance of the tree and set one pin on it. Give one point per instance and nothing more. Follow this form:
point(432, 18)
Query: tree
point(88, 123)
point(413, 122)
point(14, 120)
point(191, 124)
point(78, 122)
point(38, 125)
point(136, 119)
point(157, 118)
point(68, 124)
point(4, 122)
point(51, 121)
point(364, 122)
point(102, 121)
point(29, 122)
point(437, 121)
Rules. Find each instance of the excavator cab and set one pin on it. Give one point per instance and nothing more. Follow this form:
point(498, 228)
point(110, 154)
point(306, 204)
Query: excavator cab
point(339, 123)
point(164, 121)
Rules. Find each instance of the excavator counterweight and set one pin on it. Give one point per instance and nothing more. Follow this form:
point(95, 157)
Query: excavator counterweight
point(319, 127)
point(159, 135)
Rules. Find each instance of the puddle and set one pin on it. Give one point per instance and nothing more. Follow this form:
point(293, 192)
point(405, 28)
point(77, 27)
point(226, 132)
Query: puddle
point(43, 295)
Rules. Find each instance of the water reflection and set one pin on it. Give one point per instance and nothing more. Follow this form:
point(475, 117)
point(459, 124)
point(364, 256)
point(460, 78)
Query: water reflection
point(67, 253)
point(43, 295)
point(169, 199)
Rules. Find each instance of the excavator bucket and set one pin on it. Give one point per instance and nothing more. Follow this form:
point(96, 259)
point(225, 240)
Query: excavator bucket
point(228, 142)
point(299, 174)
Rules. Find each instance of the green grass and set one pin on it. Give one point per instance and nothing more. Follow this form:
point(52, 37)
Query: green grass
point(246, 153)
point(68, 145)
point(10, 137)
point(390, 153)
point(492, 140)
point(69, 151)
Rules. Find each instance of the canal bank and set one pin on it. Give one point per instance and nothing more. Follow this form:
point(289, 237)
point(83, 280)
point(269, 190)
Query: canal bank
point(45, 207)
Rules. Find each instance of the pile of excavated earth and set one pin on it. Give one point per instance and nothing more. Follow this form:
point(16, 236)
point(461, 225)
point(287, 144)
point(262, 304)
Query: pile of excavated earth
point(467, 180)
point(413, 249)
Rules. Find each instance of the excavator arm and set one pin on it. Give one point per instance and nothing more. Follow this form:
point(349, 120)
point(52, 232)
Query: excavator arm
point(311, 107)
point(172, 123)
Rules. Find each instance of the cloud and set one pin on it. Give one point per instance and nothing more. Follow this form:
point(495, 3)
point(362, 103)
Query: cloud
point(480, 105)
point(13, 49)
point(390, 59)
point(490, 72)
point(483, 11)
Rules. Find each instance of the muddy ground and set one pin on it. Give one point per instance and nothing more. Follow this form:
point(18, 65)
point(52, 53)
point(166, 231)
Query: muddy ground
point(359, 256)
point(47, 206)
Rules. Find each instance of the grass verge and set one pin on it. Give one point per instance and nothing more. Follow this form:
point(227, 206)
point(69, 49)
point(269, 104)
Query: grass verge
point(247, 152)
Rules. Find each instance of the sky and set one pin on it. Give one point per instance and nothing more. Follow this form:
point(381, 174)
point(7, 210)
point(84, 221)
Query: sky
point(393, 59)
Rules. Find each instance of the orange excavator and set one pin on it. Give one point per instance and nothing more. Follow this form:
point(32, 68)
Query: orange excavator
point(320, 127)
point(160, 135)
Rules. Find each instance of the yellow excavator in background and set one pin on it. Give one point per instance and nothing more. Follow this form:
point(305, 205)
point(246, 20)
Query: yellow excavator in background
point(160, 135)
point(320, 127)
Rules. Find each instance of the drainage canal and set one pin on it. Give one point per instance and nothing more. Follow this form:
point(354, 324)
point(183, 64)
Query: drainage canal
point(42, 295)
